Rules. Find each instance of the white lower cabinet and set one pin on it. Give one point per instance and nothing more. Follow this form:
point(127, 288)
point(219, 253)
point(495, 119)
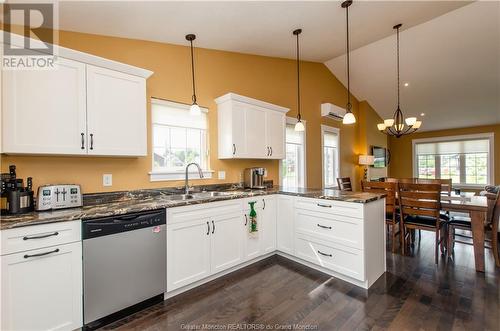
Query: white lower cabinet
point(42, 288)
point(285, 224)
point(268, 225)
point(227, 245)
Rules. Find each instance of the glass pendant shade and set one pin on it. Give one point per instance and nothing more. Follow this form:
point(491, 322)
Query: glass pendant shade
point(410, 121)
point(417, 124)
point(299, 126)
point(195, 110)
point(381, 126)
point(349, 119)
point(389, 122)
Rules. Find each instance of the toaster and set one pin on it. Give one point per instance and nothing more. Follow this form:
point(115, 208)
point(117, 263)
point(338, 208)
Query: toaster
point(59, 196)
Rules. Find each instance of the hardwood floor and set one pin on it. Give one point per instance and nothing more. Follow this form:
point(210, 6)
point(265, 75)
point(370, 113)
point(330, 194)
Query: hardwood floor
point(414, 294)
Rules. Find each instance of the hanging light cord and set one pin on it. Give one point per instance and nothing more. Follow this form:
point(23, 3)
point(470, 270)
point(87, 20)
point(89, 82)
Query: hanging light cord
point(298, 80)
point(192, 71)
point(349, 106)
point(398, 61)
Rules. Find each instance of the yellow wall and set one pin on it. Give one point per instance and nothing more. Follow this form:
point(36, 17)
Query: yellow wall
point(217, 72)
point(401, 149)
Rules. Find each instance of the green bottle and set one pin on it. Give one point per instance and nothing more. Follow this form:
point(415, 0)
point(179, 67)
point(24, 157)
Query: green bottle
point(253, 217)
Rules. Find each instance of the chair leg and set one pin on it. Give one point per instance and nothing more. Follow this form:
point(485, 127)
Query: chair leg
point(494, 246)
point(436, 246)
point(393, 227)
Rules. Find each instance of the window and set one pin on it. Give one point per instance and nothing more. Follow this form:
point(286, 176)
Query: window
point(330, 144)
point(293, 167)
point(467, 160)
point(179, 138)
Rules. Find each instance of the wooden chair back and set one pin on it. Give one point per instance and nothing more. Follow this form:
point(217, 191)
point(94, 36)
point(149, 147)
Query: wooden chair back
point(446, 184)
point(391, 180)
point(344, 183)
point(388, 188)
point(493, 210)
point(420, 199)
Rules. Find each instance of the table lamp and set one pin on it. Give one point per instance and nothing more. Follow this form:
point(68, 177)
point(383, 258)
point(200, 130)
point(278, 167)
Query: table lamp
point(366, 160)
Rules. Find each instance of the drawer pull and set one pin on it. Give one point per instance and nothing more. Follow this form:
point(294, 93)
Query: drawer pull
point(322, 205)
point(41, 254)
point(329, 255)
point(42, 236)
point(325, 227)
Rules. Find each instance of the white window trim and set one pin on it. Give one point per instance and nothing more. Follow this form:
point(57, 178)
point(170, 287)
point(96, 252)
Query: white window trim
point(293, 121)
point(162, 175)
point(326, 128)
point(491, 154)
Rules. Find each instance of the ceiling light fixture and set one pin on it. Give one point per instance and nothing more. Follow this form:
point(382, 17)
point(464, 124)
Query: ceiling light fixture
point(407, 84)
point(194, 109)
point(299, 126)
point(349, 116)
point(396, 126)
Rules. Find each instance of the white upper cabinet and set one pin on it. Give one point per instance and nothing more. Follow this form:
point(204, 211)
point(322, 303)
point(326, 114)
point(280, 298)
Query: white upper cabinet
point(86, 105)
point(250, 128)
point(116, 113)
point(44, 111)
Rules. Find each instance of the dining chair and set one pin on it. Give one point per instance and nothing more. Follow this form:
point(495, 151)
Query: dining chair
point(344, 183)
point(420, 206)
point(391, 180)
point(446, 184)
point(465, 223)
point(392, 217)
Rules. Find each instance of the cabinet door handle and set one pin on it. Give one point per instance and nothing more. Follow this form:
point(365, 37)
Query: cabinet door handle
point(234, 149)
point(208, 228)
point(264, 204)
point(26, 256)
point(42, 236)
point(83, 140)
point(320, 252)
point(322, 205)
point(91, 141)
point(213, 227)
point(325, 227)
point(246, 220)
point(271, 149)
point(268, 151)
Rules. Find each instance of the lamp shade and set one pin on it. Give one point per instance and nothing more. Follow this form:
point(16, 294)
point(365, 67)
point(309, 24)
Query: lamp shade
point(366, 159)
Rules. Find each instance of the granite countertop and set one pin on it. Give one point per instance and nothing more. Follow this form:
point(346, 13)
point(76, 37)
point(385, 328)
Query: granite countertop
point(119, 203)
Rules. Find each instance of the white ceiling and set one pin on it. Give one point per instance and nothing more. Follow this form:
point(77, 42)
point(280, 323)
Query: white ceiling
point(452, 65)
point(255, 27)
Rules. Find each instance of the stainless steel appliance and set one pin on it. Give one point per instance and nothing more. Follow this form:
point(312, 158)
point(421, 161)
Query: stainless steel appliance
point(15, 197)
point(254, 177)
point(124, 265)
point(59, 196)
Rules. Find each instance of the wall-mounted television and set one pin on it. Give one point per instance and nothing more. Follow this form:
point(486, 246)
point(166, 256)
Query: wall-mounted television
point(381, 157)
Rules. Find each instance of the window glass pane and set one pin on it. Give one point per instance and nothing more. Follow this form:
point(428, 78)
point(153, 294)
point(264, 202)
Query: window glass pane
point(293, 166)
point(330, 139)
point(178, 137)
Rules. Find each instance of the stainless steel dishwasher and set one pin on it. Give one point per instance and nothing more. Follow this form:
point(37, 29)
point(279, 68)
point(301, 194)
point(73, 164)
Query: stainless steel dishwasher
point(124, 265)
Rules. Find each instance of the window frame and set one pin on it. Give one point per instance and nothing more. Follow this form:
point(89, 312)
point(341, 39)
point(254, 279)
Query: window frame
point(156, 175)
point(491, 155)
point(293, 121)
point(331, 129)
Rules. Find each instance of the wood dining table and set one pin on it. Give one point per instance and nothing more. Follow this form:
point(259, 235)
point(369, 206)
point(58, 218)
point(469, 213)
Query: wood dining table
point(477, 208)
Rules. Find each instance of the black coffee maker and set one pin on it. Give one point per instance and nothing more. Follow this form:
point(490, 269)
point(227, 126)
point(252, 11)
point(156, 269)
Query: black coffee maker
point(15, 197)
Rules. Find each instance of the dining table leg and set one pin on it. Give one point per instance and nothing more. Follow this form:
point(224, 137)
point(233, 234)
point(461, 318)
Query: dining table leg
point(477, 218)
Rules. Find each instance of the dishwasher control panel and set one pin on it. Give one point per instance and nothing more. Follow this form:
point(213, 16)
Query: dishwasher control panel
point(128, 222)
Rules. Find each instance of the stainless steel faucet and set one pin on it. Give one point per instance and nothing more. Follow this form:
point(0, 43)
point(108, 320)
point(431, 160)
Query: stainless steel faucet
point(186, 183)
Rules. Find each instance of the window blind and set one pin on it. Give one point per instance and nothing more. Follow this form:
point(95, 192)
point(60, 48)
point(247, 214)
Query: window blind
point(164, 113)
point(453, 147)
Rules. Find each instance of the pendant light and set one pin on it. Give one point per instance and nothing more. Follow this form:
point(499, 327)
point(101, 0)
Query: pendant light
point(194, 109)
point(398, 126)
point(299, 126)
point(349, 116)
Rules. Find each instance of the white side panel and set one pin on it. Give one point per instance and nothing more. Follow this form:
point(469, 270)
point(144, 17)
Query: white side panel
point(285, 224)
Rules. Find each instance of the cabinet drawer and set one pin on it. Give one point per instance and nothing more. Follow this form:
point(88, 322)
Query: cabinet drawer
point(343, 230)
point(39, 236)
point(350, 209)
point(342, 259)
point(202, 211)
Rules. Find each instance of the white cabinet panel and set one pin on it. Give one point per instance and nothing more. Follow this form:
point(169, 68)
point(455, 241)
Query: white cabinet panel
point(226, 242)
point(256, 132)
point(285, 224)
point(44, 111)
point(275, 133)
point(44, 292)
point(188, 252)
point(268, 225)
point(252, 240)
point(116, 113)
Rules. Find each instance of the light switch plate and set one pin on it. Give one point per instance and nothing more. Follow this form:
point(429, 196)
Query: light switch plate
point(107, 180)
point(222, 174)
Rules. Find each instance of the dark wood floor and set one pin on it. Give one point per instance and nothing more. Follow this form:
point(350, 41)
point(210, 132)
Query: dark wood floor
point(414, 294)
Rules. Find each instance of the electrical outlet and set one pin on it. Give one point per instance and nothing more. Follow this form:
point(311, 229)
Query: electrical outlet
point(222, 174)
point(107, 180)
